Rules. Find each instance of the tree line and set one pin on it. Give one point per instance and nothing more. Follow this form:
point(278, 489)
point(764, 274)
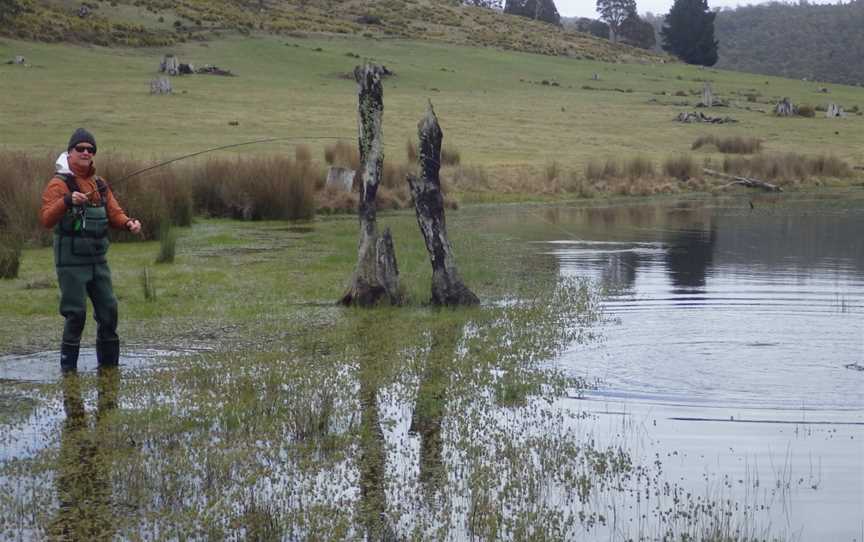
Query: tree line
point(687, 31)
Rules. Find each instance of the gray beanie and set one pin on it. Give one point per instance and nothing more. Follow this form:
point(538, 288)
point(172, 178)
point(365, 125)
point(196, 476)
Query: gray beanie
point(81, 136)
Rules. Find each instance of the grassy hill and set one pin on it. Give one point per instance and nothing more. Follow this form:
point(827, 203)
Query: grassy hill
point(159, 23)
point(494, 105)
point(819, 42)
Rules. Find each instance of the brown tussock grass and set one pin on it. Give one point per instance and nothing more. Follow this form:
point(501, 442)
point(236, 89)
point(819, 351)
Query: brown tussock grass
point(729, 145)
point(788, 167)
point(342, 154)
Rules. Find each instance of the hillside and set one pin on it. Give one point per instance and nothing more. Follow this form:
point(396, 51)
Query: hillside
point(160, 23)
point(817, 42)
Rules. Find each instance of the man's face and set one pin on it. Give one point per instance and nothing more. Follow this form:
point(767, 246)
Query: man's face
point(81, 156)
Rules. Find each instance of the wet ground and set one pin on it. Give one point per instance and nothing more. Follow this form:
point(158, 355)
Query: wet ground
point(653, 372)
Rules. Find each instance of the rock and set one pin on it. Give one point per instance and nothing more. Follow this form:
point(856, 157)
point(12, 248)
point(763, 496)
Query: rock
point(340, 179)
point(834, 111)
point(162, 85)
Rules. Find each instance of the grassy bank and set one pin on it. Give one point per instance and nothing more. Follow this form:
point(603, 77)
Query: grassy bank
point(493, 105)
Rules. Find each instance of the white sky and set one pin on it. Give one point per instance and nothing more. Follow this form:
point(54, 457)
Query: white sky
point(585, 8)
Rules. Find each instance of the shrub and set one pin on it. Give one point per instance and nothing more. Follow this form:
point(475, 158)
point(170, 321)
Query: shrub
point(729, 145)
point(10, 255)
point(342, 154)
point(167, 244)
point(470, 178)
point(552, 171)
point(22, 180)
point(411, 151)
point(610, 169)
point(579, 186)
point(149, 197)
point(639, 167)
point(806, 110)
point(681, 167)
point(302, 154)
point(393, 176)
point(450, 156)
point(787, 167)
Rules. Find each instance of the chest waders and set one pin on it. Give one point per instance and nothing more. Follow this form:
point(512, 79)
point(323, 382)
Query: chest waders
point(80, 249)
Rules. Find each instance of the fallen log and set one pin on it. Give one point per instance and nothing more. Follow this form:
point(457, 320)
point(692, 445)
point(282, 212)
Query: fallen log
point(743, 181)
point(447, 286)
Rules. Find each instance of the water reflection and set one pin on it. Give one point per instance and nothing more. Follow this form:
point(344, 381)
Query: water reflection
point(428, 410)
point(83, 470)
point(689, 257)
point(372, 461)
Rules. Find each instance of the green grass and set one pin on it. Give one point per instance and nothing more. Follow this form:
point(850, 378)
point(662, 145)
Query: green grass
point(490, 110)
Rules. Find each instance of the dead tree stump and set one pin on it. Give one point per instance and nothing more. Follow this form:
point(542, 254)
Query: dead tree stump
point(707, 96)
point(169, 65)
point(785, 108)
point(376, 277)
point(447, 286)
point(834, 111)
point(160, 85)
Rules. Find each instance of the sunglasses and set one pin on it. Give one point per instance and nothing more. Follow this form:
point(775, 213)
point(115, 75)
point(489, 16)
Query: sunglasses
point(82, 149)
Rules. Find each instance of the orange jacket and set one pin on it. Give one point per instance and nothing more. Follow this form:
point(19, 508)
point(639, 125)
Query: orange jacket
point(54, 205)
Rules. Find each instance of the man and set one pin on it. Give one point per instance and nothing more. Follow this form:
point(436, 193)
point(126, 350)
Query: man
point(80, 207)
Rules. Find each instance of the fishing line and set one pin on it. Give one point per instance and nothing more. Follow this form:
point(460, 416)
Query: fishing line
point(231, 146)
point(219, 148)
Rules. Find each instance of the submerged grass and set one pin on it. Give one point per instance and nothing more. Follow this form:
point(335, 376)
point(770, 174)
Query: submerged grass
point(303, 418)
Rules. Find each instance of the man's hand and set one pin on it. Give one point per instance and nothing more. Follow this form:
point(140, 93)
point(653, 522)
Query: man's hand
point(79, 198)
point(134, 226)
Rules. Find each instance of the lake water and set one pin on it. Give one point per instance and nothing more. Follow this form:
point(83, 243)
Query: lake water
point(726, 379)
point(733, 349)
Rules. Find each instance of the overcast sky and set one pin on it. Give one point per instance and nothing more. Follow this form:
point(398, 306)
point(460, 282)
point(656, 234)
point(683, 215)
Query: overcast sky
point(585, 8)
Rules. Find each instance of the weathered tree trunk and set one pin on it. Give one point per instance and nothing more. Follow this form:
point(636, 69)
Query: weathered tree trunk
point(169, 65)
point(160, 85)
point(376, 277)
point(744, 181)
point(707, 96)
point(447, 286)
point(834, 111)
point(785, 108)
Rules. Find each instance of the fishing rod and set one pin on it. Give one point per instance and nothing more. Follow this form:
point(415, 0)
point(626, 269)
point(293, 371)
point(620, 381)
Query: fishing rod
point(219, 148)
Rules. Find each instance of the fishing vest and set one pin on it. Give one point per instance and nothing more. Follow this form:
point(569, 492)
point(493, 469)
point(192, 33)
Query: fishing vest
point(81, 236)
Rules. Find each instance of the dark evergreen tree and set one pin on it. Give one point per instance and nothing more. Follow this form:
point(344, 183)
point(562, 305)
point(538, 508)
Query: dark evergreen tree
point(615, 12)
point(8, 9)
point(542, 10)
point(688, 32)
point(638, 33)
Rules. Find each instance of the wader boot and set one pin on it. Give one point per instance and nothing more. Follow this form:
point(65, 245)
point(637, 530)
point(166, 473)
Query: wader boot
point(69, 357)
point(80, 248)
point(108, 353)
